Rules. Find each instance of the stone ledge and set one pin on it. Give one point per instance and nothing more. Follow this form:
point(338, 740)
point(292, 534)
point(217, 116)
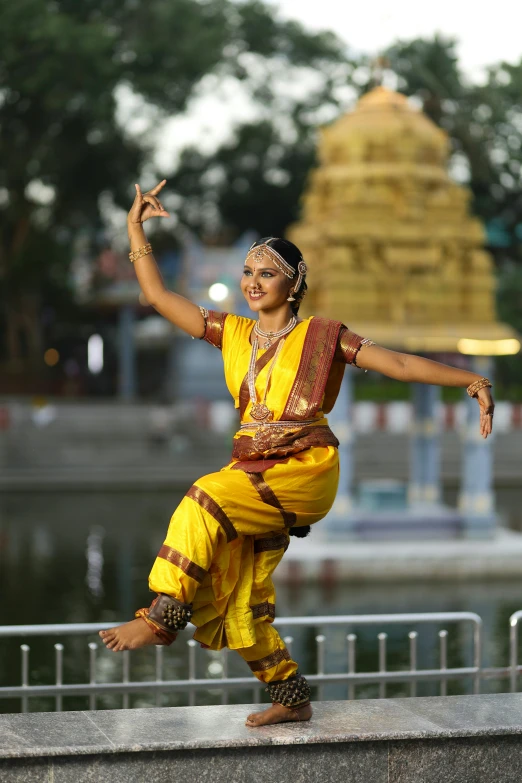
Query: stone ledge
point(176, 728)
point(474, 738)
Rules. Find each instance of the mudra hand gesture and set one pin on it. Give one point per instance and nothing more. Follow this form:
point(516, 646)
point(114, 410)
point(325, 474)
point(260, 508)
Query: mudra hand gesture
point(487, 406)
point(147, 205)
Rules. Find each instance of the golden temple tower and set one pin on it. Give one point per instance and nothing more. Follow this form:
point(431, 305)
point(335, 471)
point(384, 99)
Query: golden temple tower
point(392, 248)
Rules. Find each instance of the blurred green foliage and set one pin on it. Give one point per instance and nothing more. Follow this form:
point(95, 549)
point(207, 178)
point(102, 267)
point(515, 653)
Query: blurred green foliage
point(484, 123)
point(509, 297)
point(62, 147)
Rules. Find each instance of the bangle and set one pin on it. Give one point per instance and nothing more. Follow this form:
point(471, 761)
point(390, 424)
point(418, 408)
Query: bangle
point(476, 386)
point(144, 250)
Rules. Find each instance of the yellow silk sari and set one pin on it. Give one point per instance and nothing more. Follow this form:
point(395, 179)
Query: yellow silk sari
point(231, 529)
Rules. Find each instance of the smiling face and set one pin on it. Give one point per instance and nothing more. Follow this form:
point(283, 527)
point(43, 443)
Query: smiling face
point(264, 286)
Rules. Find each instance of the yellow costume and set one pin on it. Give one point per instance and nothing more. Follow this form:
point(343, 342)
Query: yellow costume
point(231, 529)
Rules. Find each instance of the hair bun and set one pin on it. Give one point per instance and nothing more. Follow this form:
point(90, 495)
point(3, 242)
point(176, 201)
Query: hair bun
point(300, 532)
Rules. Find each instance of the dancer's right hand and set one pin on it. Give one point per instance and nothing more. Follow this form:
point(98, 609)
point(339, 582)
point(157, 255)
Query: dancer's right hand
point(147, 205)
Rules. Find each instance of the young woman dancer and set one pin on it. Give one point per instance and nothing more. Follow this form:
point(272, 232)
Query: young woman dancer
point(232, 527)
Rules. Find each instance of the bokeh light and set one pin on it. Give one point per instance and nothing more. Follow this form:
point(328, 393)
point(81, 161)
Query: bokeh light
point(471, 347)
point(95, 354)
point(51, 357)
point(218, 292)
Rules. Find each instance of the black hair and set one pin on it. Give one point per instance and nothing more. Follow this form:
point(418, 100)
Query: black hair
point(292, 256)
point(301, 532)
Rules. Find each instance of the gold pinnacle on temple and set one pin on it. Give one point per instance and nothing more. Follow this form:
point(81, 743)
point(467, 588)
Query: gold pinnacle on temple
point(392, 248)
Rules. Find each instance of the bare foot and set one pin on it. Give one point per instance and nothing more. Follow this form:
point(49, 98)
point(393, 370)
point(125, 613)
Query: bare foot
point(129, 636)
point(279, 714)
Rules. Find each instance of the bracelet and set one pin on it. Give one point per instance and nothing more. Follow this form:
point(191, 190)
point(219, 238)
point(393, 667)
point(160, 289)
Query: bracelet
point(144, 250)
point(476, 386)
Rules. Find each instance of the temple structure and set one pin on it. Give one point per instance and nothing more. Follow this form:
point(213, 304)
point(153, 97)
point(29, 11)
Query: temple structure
point(394, 253)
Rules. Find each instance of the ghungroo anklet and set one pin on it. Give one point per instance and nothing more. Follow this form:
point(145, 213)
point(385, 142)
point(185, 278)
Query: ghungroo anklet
point(169, 613)
point(292, 693)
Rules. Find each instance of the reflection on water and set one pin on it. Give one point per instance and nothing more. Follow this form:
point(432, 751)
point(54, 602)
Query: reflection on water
point(94, 554)
point(85, 557)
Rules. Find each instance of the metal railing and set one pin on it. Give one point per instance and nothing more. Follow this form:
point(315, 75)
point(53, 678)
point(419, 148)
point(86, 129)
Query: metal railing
point(412, 675)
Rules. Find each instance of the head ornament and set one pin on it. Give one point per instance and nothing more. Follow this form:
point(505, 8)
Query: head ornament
point(257, 253)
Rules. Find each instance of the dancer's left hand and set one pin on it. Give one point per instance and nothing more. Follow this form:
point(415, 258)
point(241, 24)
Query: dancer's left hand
point(487, 407)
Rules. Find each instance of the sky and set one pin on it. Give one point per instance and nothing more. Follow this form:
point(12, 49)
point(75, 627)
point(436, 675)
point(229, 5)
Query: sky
point(488, 32)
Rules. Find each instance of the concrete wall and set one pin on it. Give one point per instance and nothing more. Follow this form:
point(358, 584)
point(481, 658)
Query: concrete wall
point(456, 739)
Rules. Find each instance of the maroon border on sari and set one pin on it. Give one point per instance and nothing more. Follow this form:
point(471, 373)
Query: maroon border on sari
point(180, 560)
point(266, 609)
point(307, 391)
point(269, 497)
point(200, 497)
point(269, 661)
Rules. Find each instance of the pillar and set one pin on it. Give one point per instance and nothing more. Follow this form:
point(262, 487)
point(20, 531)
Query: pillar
point(341, 422)
point(424, 485)
point(126, 354)
point(476, 498)
point(171, 374)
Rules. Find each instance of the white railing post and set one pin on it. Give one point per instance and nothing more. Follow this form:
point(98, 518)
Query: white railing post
point(58, 668)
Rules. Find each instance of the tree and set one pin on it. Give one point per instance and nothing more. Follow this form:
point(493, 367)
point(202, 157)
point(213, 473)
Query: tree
point(485, 126)
point(484, 123)
point(60, 145)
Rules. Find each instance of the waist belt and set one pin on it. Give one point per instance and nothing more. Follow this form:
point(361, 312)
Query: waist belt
point(279, 439)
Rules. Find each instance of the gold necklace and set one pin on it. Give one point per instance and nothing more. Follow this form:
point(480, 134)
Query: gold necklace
point(260, 410)
point(270, 337)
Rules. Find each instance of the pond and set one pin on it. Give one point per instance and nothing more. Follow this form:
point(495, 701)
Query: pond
point(85, 557)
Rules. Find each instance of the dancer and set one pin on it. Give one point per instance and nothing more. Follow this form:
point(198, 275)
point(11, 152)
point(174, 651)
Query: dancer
point(232, 528)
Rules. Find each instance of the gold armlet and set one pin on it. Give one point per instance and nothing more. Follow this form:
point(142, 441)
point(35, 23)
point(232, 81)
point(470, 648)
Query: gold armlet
point(144, 250)
point(476, 386)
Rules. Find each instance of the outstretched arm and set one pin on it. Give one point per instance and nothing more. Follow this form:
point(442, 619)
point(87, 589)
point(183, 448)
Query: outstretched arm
point(175, 308)
point(416, 369)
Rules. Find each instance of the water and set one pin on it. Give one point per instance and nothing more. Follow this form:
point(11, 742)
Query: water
point(85, 557)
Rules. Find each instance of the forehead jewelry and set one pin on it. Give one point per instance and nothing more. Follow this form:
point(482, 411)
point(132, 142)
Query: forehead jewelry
point(257, 254)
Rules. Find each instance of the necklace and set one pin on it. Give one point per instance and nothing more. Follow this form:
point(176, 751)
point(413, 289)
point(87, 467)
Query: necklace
point(270, 337)
point(260, 410)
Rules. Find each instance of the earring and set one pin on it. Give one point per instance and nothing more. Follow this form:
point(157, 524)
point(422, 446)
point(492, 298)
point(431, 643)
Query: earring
point(291, 298)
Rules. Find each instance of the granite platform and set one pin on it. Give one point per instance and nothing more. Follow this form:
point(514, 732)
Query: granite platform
point(455, 739)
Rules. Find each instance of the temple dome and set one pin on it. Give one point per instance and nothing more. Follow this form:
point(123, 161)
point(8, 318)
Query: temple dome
point(384, 127)
point(392, 247)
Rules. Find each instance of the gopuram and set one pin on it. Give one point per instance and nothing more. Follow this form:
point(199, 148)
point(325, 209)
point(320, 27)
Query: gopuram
point(394, 253)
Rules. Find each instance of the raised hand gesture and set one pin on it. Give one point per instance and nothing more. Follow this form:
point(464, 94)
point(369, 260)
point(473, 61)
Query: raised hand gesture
point(487, 407)
point(147, 205)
